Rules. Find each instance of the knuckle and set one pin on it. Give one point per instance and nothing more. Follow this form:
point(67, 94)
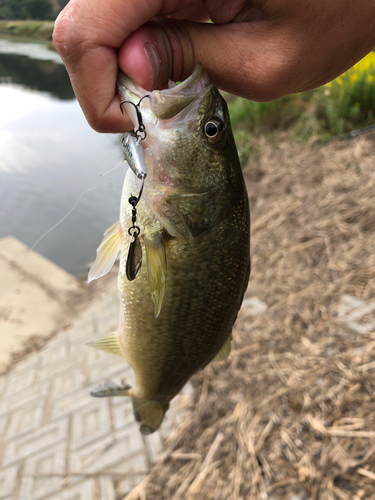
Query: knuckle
point(99, 125)
point(268, 80)
point(108, 123)
point(66, 34)
point(61, 32)
point(182, 50)
point(97, 122)
point(179, 47)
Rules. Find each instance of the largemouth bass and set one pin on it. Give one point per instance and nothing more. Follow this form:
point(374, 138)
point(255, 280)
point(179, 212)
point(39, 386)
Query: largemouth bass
point(177, 314)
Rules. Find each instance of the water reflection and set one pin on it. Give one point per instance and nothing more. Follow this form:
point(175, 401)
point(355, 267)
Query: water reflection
point(48, 156)
point(37, 75)
point(37, 51)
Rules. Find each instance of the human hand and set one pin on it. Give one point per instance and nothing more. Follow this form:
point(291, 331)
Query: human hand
point(260, 49)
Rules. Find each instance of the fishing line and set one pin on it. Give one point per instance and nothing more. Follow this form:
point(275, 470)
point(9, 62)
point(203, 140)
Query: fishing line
point(109, 171)
point(120, 164)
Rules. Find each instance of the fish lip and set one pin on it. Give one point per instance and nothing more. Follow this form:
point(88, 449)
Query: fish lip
point(162, 102)
point(190, 81)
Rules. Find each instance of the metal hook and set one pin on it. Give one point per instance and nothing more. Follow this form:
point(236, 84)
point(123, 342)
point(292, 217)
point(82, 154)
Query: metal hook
point(133, 200)
point(141, 131)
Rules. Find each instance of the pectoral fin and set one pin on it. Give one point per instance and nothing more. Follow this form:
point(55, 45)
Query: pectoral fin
point(106, 253)
point(109, 344)
point(109, 389)
point(149, 413)
point(157, 270)
point(189, 214)
point(224, 351)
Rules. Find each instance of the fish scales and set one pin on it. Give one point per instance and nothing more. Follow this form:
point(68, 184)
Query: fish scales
point(177, 314)
point(192, 325)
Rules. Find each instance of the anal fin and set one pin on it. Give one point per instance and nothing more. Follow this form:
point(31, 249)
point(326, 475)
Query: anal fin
point(157, 270)
point(109, 344)
point(224, 351)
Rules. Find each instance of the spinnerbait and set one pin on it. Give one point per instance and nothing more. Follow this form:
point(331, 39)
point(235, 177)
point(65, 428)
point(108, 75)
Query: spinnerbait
point(133, 155)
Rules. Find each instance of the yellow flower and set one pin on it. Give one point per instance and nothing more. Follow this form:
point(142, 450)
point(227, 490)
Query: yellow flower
point(339, 80)
point(364, 65)
point(354, 77)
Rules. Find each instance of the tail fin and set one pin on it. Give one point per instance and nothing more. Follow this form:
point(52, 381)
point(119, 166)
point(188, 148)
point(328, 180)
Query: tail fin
point(149, 413)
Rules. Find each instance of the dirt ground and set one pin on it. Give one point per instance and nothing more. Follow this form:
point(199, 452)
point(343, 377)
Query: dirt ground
point(291, 413)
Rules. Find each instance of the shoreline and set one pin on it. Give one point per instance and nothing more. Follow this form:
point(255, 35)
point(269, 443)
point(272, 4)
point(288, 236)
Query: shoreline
point(28, 30)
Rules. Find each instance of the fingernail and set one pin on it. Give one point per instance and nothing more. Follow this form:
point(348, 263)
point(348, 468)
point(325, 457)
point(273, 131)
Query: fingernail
point(154, 61)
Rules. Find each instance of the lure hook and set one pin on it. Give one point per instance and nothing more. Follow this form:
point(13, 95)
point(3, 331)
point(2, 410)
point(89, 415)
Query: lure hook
point(140, 133)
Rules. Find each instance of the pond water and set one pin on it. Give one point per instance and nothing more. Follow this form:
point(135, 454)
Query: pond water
point(48, 156)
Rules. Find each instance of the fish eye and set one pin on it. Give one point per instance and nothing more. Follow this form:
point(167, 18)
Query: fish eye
point(214, 128)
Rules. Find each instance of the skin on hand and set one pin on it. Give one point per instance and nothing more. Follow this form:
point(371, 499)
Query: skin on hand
point(259, 49)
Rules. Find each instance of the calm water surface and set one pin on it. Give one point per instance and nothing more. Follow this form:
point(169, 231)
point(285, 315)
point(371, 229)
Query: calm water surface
point(48, 156)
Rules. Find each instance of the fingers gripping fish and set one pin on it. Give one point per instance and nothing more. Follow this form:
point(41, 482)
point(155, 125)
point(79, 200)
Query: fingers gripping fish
point(177, 314)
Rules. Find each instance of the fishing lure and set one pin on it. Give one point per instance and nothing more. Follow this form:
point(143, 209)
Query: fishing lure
point(133, 155)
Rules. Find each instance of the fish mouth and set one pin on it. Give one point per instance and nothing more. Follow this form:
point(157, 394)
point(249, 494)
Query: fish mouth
point(166, 103)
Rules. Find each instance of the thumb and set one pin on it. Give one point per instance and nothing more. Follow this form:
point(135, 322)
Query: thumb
point(238, 57)
point(261, 59)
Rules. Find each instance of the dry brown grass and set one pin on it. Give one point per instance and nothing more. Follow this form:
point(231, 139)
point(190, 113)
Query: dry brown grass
point(291, 413)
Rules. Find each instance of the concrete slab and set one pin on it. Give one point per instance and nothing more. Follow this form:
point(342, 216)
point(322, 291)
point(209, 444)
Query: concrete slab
point(34, 297)
point(56, 441)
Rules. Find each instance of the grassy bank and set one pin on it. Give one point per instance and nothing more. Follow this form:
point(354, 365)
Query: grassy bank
point(335, 109)
point(37, 30)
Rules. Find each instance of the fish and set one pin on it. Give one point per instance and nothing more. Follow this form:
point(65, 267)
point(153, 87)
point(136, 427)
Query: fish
point(178, 309)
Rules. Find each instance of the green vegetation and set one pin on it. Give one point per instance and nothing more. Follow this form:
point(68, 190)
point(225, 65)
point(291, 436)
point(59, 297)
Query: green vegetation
point(29, 18)
point(345, 104)
point(35, 29)
point(31, 9)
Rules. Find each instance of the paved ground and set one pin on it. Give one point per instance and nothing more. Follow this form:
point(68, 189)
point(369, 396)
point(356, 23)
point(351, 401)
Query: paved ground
point(35, 297)
point(56, 441)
